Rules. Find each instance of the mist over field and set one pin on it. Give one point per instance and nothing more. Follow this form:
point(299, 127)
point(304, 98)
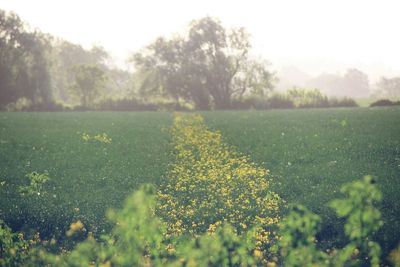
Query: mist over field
point(334, 47)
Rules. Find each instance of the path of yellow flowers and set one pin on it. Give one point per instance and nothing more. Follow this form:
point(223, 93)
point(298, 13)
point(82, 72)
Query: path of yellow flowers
point(210, 184)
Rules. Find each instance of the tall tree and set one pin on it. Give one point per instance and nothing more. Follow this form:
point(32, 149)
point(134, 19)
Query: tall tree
point(64, 57)
point(208, 66)
point(356, 83)
point(389, 87)
point(24, 70)
point(89, 81)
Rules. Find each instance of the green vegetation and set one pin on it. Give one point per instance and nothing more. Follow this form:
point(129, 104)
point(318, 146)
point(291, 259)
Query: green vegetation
point(139, 238)
point(233, 189)
point(210, 184)
point(384, 103)
point(311, 153)
point(36, 182)
point(206, 67)
point(86, 177)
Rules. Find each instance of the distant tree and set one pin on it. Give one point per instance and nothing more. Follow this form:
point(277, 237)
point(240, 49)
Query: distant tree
point(353, 83)
point(389, 87)
point(11, 58)
point(329, 84)
point(120, 83)
point(66, 55)
point(89, 81)
point(356, 83)
point(24, 68)
point(208, 66)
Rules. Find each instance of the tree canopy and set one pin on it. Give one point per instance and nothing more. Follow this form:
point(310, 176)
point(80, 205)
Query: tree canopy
point(208, 66)
point(89, 80)
point(24, 69)
point(389, 87)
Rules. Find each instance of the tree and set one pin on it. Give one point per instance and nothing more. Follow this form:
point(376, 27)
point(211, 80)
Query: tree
point(356, 83)
point(89, 80)
point(208, 66)
point(64, 57)
point(389, 87)
point(330, 84)
point(24, 69)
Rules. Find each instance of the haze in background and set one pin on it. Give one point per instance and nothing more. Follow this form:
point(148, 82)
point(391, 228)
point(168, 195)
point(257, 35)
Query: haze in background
point(313, 36)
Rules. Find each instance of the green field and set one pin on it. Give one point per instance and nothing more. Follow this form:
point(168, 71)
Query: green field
point(310, 153)
point(89, 176)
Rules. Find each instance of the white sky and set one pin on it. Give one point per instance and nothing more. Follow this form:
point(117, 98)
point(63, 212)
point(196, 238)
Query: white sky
point(313, 35)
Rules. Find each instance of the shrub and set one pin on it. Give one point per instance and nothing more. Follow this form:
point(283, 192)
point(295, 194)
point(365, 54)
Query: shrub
point(307, 98)
point(343, 102)
point(384, 103)
point(124, 104)
point(25, 104)
point(133, 104)
point(279, 101)
point(362, 221)
point(298, 243)
point(14, 249)
point(243, 103)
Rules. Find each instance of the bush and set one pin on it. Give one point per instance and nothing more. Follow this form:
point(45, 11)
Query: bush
point(242, 104)
point(124, 104)
point(294, 98)
point(132, 104)
point(276, 101)
point(307, 98)
point(13, 248)
point(279, 101)
point(343, 102)
point(384, 103)
point(24, 104)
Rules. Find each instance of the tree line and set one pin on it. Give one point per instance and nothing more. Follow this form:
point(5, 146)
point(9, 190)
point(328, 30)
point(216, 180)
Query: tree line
point(207, 67)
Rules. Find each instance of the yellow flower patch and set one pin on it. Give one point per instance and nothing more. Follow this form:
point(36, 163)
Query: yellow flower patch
point(102, 138)
point(210, 183)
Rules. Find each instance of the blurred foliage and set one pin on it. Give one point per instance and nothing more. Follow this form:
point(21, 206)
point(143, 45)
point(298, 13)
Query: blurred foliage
point(14, 248)
point(298, 244)
point(362, 221)
point(395, 257)
point(139, 238)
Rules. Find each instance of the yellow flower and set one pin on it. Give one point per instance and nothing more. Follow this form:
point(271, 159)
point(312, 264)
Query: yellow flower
point(75, 227)
point(258, 253)
point(217, 181)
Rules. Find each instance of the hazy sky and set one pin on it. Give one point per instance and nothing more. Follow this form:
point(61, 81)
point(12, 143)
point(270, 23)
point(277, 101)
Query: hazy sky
point(314, 35)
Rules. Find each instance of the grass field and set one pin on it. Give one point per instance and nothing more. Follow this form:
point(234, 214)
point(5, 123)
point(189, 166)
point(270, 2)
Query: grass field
point(310, 153)
point(90, 176)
